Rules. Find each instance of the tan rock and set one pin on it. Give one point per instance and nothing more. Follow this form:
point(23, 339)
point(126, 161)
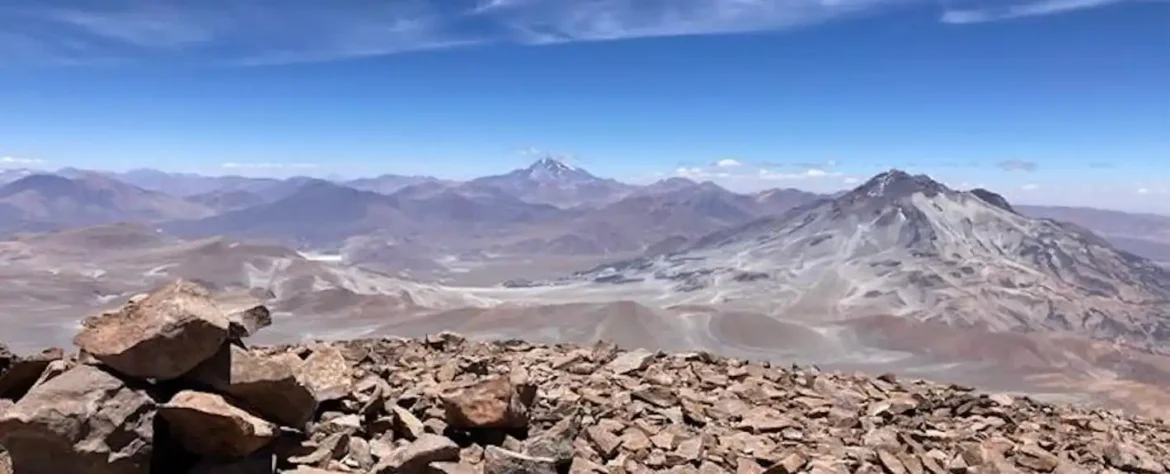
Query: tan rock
point(631, 361)
point(247, 321)
point(503, 461)
point(493, 403)
point(162, 337)
point(416, 456)
point(24, 372)
point(209, 425)
point(405, 423)
point(264, 384)
point(85, 421)
point(327, 374)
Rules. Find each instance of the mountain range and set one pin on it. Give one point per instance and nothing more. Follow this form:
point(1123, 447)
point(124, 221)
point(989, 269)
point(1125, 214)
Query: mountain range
point(901, 272)
point(549, 209)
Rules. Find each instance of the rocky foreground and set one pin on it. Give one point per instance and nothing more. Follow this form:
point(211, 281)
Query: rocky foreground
point(167, 385)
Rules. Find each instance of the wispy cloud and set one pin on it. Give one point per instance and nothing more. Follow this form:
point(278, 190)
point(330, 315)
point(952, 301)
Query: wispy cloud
point(1017, 165)
point(985, 11)
point(728, 162)
point(10, 161)
point(282, 31)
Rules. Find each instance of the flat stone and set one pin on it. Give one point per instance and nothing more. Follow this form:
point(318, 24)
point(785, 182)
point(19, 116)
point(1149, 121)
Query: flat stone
point(503, 461)
point(416, 456)
point(327, 374)
point(209, 425)
point(161, 337)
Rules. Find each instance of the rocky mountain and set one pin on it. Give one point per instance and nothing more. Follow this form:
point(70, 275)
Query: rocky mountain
point(13, 174)
point(391, 183)
point(170, 386)
point(223, 200)
point(188, 184)
point(551, 181)
point(1147, 235)
point(57, 202)
point(318, 214)
point(908, 246)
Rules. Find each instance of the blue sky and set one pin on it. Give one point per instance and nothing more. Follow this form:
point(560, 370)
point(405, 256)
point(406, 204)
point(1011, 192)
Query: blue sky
point(1033, 99)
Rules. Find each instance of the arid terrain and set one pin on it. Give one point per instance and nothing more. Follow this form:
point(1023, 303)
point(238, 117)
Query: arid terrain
point(169, 383)
point(901, 274)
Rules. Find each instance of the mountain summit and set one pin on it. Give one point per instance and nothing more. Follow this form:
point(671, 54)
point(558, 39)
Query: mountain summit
point(552, 181)
point(909, 246)
point(550, 169)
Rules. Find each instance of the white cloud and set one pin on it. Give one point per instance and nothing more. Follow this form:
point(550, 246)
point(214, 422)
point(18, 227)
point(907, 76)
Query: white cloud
point(728, 162)
point(1030, 187)
point(991, 11)
point(268, 165)
point(851, 180)
point(280, 31)
point(17, 161)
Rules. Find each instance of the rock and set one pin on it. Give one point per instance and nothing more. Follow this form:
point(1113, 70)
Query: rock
point(85, 421)
point(1129, 458)
point(585, 466)
point(789, 464)
point(333, 446)
point(5, 462)
point(493, 403)
point(406, 424)
point(246, 322)
point(162, 337)
point(23, 372)
point(209, 425)
point(454, 468)
point(630, 361)
point(503, 461)
point(326, 373)
point(54, 369)
point(359, 455)
point(414, 457)
point(264, 384)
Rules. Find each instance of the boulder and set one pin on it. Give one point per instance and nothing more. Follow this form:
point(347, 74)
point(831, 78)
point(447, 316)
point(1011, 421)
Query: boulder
point(84, 421)
point(326, 373)
point(493, 403)
point(23, 372)
point(208, 425)
point(245, 322)
point(264, 384)
point(161, 337)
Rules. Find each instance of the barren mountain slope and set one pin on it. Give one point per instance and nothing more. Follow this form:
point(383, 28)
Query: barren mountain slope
point(89, 199)
point(908, 246)
point(51, 279)
point(1147, 235)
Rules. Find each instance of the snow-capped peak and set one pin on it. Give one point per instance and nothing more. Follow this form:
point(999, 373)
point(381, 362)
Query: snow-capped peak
point(552, 169)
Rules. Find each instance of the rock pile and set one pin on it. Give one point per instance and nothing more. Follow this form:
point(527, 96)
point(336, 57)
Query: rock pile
point(167, 385)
